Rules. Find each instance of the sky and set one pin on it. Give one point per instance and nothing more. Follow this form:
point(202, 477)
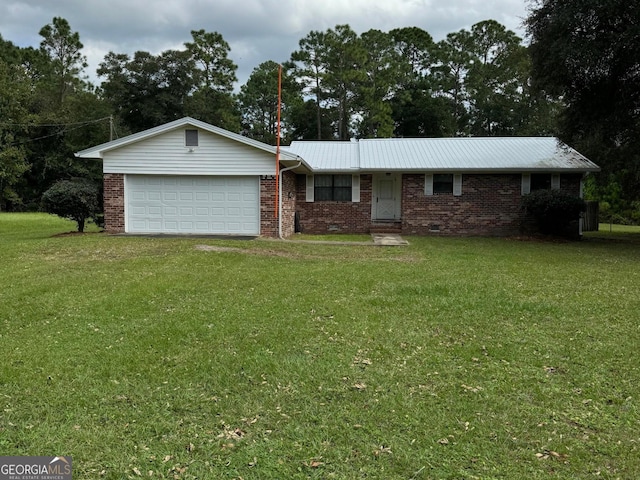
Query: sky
point(256, 30)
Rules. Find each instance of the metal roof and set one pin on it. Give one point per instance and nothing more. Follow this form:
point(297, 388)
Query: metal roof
point(329, 156)
point(472, 154)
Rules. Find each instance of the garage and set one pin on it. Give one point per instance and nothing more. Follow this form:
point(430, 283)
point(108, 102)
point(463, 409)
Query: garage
point(226, 205)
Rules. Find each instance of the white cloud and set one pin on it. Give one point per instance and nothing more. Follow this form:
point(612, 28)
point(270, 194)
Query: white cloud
point(257, 30)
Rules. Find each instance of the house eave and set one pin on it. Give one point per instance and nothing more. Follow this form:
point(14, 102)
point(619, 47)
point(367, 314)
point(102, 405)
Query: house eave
point(484, 171)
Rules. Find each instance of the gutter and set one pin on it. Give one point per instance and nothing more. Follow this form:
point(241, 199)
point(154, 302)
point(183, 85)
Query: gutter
point(280, 196)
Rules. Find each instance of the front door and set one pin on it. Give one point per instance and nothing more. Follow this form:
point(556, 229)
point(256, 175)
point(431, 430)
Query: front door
point(386, 198)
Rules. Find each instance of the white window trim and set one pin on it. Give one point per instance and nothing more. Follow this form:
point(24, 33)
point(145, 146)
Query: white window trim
point(310, 188)
point(457, 185)
point(428, 184)
point(555, 181)
point(355, 188)
point(526, 184)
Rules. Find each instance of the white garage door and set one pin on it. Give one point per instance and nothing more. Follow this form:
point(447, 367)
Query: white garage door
point(192, 204)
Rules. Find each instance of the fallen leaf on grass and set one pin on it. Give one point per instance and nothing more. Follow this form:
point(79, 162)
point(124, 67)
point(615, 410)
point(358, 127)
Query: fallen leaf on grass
point(232, 434)
point(546, 454)
point(137, 471)
point(360, 386)
point(382, 449)
point(471, 389)
point(313, 464)
point(362, 361)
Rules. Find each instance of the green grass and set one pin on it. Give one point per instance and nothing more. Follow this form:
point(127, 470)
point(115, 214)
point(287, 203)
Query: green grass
point(450, 358)
point(334, 237)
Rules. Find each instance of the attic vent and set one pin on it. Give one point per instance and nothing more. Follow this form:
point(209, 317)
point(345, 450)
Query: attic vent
point(191, 138)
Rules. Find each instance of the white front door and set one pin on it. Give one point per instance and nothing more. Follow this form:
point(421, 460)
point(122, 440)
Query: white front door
point(386, 201)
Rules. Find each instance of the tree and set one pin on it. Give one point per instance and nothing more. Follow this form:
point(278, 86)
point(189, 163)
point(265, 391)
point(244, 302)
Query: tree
point(212, 100)
point(148, 90)
point(346, 59)
point(258, 101)
point(75, 200)
point(15, 97)
point(588, 54)
point(310, 68)
point(419, 107)
point(63, 48)
point(210, 52)
point(383, 66)
point(453, 58)
point(416, 48)
point(494, 81)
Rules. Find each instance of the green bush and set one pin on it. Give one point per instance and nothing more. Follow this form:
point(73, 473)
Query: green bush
point(76, 200)
point(555, 212)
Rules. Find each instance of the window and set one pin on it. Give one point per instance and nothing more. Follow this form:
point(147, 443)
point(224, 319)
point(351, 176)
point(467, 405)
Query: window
point(332, 188)
point(443, 183)
point(540, 181)
point(191, 138)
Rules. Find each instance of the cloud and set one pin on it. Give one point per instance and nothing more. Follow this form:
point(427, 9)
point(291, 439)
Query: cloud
point(256, 30)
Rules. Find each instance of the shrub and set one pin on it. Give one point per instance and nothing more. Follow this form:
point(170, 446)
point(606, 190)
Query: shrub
point(76, 200)
point(555, 212)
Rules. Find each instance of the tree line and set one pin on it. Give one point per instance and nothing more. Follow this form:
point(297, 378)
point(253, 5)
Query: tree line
point(335, 86)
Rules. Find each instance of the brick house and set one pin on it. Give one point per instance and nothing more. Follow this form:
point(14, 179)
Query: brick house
point(189, 177)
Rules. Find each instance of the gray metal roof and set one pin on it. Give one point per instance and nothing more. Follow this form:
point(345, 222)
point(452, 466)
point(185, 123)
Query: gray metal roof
point(472, 154)
point(328, 156)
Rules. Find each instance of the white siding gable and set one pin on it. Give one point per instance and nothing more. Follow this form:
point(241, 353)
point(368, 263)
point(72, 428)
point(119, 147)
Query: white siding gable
point(166, 154)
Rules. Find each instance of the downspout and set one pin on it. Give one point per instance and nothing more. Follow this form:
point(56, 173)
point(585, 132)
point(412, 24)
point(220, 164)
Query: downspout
point(280, 197)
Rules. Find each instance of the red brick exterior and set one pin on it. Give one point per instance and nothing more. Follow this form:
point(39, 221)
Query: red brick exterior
point(289, 201)
point(114, 202)
point(335, 217)
point(489, 205)
point(268, 220)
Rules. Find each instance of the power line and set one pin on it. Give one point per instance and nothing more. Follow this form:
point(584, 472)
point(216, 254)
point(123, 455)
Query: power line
point(86, 122)
point(76, 125)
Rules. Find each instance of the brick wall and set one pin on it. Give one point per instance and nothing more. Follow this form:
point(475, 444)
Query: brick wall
point(268, 220)
point(489, 205)
point(289, 203)
point(114, 202)
point(334, 217)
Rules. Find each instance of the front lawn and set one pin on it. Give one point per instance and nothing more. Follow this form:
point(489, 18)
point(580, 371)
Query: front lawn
point(202, 358)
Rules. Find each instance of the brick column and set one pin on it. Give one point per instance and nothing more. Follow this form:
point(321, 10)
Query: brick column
point(114, 202)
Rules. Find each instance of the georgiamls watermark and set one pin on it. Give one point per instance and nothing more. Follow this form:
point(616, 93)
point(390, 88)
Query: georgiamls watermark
point(35, 468)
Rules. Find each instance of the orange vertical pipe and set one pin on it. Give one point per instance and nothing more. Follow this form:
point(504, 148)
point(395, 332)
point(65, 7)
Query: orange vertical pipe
point(278, 141)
